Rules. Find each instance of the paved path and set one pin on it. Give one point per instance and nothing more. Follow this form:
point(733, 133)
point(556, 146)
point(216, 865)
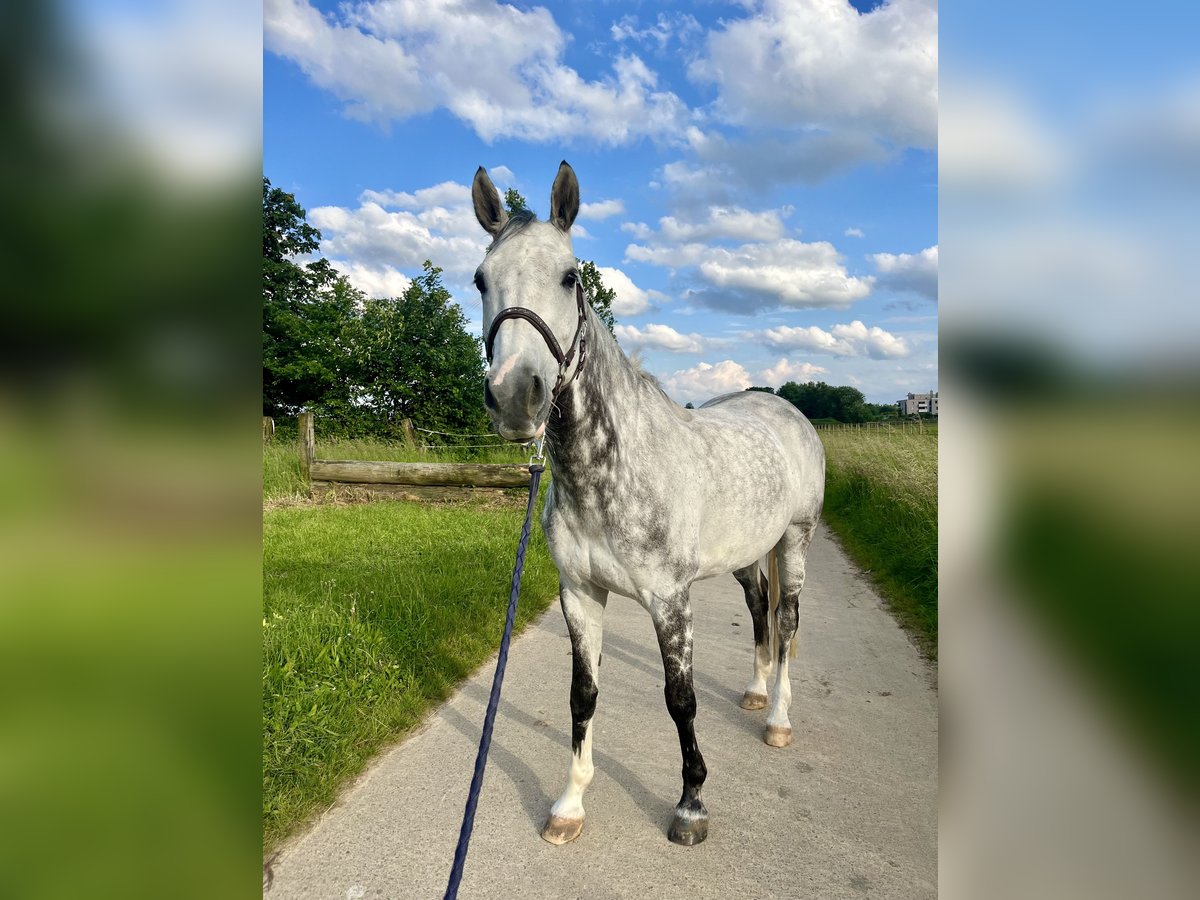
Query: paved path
point(848, 810)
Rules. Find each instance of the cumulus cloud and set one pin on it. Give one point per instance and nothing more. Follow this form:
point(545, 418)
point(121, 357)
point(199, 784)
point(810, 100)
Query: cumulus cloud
point(791, 272)
point(667, 26)
point(853, 339)
point(825, 65)
point(725, 223)
point(631, 300)
point(388, 60)
point(916, 272)
point(378, 281)
point(601, 209)
point(390, 231)
point(706, 380)
point(654, 336)
point(854, 232)
point(786, 370)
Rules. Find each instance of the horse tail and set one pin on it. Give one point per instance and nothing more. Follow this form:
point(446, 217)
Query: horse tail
point(770, 566)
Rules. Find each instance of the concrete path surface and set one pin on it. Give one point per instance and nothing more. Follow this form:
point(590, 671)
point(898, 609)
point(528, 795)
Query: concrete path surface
point(848, 810)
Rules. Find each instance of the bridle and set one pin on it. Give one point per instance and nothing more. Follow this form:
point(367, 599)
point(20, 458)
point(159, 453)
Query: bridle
point(579, 342)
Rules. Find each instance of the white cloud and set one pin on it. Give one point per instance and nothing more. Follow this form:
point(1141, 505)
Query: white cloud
point(853, 339)
point(640, 230)
point(825, 65)
point(667, 26)
point(388, 60)
point(916, 272)
point(794, 273)
point(502, 174)
point(391, 231)
point(854, 232)
point(662, 337)
point(631, 299)
point(705, 380)
point(785, 370)
point(721, 222)
point(601, 209)
point(380, 281)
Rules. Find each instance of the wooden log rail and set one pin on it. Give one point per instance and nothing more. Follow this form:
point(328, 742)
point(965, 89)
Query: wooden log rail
point(419, 474)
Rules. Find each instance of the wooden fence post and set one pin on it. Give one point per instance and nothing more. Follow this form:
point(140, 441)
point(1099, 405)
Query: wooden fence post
point(308, 442)
point(268, 429)
point(410, 434)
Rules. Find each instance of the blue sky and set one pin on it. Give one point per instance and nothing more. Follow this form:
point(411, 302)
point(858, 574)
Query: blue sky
point(759, 180)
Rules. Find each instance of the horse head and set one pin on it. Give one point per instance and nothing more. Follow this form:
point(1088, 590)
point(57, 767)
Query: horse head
point(534, 316)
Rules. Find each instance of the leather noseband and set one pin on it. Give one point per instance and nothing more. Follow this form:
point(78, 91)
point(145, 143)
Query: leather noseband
point(579, 342)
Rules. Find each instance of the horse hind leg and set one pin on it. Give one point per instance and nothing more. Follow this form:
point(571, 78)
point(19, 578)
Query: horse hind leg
point(791, 552)
point(755, 586)
point(583, 608)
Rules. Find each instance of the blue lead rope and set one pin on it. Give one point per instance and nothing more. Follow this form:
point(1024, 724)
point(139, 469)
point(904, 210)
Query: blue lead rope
point(489, 720)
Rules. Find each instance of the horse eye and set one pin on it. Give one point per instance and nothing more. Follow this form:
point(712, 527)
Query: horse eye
point(479, 283)
point(569, 279)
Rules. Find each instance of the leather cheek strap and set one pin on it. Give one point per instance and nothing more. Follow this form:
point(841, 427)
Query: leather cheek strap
point(520, 312)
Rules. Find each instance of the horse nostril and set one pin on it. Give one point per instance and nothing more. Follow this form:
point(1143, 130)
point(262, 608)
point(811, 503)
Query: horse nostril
point(489, 399)
point(537, 393)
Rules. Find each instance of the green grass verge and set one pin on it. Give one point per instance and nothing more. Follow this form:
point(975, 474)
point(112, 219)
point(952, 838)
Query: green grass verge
point(371, 614)
point(881, 500)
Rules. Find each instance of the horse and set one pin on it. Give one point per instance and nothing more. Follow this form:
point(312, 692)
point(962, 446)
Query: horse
point(646, 497)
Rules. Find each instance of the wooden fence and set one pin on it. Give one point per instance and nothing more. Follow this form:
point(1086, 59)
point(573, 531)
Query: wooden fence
point(361, 479)
point(914, 427)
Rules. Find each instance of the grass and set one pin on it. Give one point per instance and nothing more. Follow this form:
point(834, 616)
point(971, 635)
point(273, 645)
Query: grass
point(371, 614)
point(881, 500)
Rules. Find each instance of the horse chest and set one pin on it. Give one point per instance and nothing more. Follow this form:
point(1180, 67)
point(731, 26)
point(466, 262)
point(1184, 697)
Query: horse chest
point(618, 555)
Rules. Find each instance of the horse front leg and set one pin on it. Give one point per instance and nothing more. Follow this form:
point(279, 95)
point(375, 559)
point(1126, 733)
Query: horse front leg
point(673, 624)
point(583, 608)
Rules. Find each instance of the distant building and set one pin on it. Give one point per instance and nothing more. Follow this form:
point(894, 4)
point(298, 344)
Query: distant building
point(919, 404)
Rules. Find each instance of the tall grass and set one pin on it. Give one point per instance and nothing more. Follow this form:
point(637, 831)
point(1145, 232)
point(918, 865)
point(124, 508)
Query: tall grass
point(881, 500)
point(371, 614)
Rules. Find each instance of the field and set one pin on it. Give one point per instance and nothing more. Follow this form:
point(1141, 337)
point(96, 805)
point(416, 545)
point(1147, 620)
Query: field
point(372, 612)
point(881, 500)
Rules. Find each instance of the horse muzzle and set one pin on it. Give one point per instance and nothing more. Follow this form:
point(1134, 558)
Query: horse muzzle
point(518, 402)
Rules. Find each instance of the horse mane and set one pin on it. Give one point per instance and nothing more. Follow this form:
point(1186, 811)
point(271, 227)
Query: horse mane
point(516, 223)
point(639, 369)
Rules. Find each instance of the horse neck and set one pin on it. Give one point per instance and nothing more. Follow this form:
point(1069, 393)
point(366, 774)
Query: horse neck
point(590, 425)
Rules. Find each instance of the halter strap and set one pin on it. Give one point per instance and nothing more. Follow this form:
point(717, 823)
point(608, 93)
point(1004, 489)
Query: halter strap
point(578, 342)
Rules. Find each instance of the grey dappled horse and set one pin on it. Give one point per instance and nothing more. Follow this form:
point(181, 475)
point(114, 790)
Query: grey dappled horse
point(646, 497)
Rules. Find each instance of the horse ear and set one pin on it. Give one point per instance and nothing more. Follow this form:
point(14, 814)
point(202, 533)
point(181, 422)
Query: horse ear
point(488, 208)
point(564, 197)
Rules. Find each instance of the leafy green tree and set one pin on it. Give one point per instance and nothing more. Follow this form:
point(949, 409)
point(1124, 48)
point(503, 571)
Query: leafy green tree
point(765, 390)
point(514, 202)
point(818, 400)
point(414, 358)
point(598, 296)
point(307, 309)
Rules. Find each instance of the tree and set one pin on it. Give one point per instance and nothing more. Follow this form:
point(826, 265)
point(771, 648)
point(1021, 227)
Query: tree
point(765, 390)
point(599, 297)
point(306, 312)
point(818, 400)
point(413, 358)
point(689, 405)
point(514, 202)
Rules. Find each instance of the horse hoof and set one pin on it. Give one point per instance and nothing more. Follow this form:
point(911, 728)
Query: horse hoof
point(561, 831)
point(778, 735)
point(753, 701)
point(688, 830)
